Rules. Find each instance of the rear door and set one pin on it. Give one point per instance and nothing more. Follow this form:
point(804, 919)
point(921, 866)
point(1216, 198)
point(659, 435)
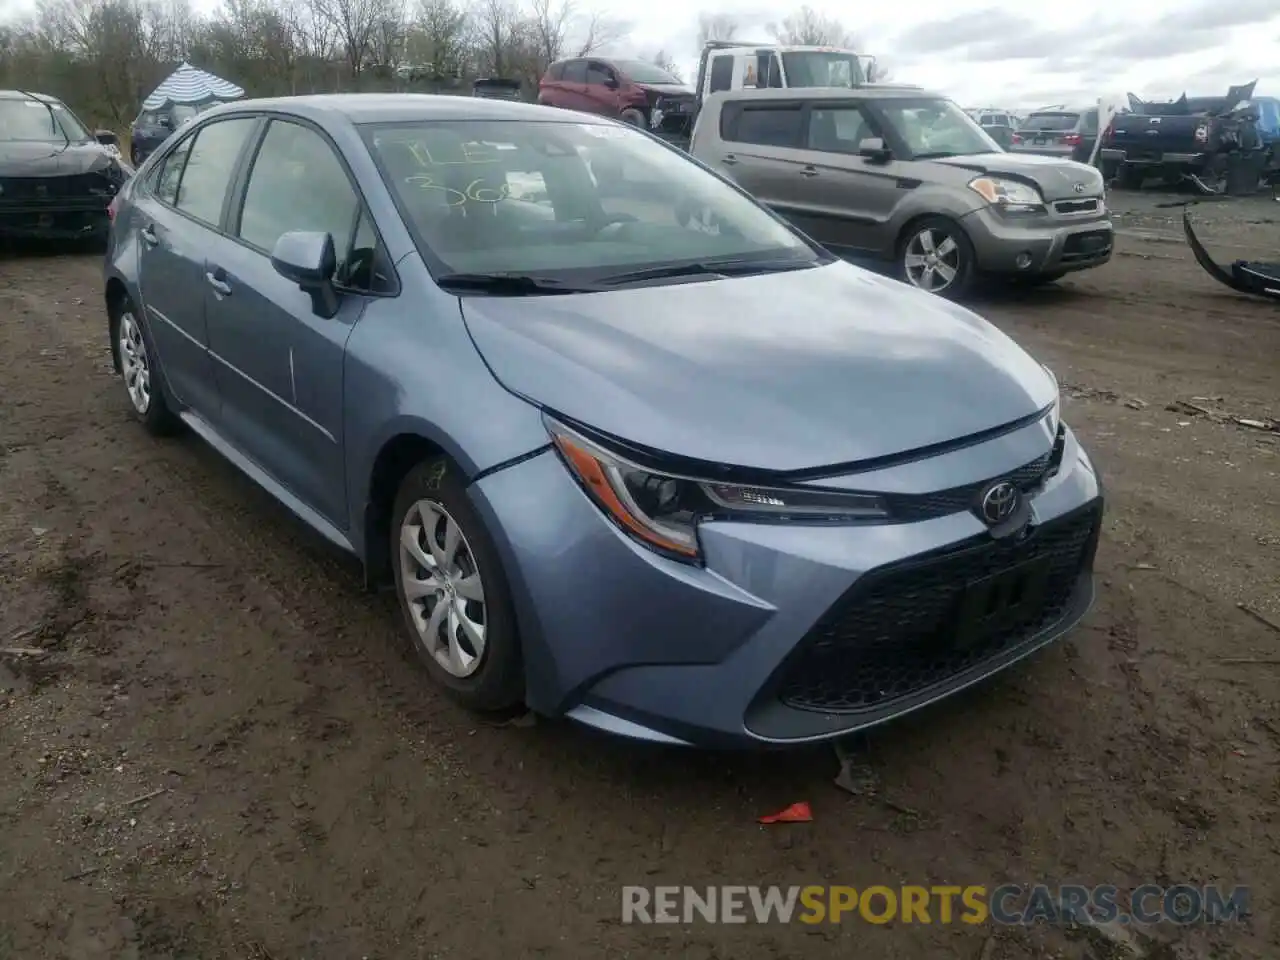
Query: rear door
point(280, 365)
point(180, 209)
point(759, 147)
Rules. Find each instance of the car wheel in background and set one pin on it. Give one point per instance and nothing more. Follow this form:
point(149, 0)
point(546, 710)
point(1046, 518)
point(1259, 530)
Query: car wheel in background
point(936, 256)
point(453, 591)
point(139, 369)
point(633, 117)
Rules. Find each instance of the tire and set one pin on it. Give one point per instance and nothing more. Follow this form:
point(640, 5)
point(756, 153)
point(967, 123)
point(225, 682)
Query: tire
point(489, 679)
point(139, 365)
point(1131, 178)
point(958, 259)
point(633, 117)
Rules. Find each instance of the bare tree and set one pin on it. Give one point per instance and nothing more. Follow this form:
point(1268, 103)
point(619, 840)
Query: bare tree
point(808, 27)
point(357, 22)
point(437, 41)
point(549, 24)
point(599, 31)
point(715, 26)
point(663, 59)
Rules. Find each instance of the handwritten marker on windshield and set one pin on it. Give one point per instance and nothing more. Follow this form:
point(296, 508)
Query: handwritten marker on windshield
point(796, 813)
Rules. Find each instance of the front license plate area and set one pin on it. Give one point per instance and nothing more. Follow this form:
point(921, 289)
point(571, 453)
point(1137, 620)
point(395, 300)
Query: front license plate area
point(1008, 600)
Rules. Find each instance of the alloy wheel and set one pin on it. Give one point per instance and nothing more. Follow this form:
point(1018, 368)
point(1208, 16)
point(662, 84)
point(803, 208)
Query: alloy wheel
point(932, 260)
point(443, 589)
point(135, 364)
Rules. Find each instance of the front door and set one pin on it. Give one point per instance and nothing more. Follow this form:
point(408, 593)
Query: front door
point(601, 91)
point(280, 365)
point(846, 201)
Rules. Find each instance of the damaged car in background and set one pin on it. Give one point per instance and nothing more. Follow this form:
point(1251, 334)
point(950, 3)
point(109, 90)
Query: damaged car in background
point(1215, 142)
point(56, 178)
point(1260, 278)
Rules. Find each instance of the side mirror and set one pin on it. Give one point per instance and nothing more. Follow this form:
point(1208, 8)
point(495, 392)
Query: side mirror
point(873, 149)
point(308, 259)
point(106, 138)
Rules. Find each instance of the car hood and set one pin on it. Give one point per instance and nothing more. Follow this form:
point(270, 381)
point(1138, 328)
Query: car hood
point(782, 372)
point(674, 91)
point(1056, 178)
point(25, 159)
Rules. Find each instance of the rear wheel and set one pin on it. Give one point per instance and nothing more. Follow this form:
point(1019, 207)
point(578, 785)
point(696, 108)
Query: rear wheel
point(139, 368)
point(1131, 177)
point(936, 256)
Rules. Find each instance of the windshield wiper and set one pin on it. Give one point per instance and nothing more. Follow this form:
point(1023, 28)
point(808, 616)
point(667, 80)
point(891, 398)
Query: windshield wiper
point(509, 284)
point(708, 268)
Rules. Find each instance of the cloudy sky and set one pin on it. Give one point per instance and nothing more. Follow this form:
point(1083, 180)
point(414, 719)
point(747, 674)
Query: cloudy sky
point(1004, 52)
point(1009, 53)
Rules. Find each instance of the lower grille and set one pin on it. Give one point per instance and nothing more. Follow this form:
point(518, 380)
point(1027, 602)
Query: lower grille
point(1086, 246)
point(894, 635)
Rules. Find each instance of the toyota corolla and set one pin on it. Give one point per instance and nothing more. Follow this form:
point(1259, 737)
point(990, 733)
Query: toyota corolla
point(691, 480)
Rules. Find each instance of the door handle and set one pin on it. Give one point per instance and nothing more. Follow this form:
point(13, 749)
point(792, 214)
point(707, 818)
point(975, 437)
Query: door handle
point(809, 171)
point(149, 236)
point(729, 160)
point(220, 287)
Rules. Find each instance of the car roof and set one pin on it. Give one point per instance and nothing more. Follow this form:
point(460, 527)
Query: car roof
point(400, 107)
point(27, 95)
point(868, 91)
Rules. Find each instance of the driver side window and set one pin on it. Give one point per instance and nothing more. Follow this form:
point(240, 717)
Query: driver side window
point(297, 182)
point(598, 74)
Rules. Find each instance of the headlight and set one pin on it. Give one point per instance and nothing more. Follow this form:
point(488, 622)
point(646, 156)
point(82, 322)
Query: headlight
point(1055, 413)
point(1010, 194)
point(663, 510)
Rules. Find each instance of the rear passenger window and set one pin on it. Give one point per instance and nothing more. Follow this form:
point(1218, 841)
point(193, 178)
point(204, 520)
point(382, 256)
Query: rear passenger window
point(297, 183)
point(209, 167)
point(771, 126)
point(721, 73)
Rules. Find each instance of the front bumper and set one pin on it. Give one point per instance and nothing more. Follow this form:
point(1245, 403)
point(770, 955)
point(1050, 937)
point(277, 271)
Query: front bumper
point(1047, 244)
point(790, 633)
point(56, 208)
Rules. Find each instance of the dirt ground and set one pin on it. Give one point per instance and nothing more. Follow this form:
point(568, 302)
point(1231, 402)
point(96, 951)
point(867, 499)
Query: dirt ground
point(211, 748)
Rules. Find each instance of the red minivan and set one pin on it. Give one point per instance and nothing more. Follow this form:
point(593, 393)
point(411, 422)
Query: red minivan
point(634, 91)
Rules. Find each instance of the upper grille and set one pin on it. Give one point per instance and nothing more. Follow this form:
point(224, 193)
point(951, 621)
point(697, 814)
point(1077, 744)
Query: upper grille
point(1089, 205)
point(913, 507)
point(894, 634)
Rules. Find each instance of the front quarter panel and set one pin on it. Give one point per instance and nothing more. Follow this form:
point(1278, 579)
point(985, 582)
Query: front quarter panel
point(411, 368)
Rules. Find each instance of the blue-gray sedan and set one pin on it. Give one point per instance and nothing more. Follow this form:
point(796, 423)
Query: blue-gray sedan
point(630, 448)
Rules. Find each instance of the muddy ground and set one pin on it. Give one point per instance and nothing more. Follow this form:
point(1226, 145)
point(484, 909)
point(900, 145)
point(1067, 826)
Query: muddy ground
point(212, 749)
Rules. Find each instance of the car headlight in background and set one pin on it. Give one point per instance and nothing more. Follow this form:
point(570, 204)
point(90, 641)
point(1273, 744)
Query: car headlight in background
point(663, 510)
point(1007, 194)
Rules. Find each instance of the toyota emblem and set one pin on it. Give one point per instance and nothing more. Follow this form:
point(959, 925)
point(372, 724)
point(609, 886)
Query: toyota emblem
point(1078, 187)
point(999, 502)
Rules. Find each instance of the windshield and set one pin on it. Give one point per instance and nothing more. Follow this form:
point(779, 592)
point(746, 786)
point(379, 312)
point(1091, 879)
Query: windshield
point(816, 69)
point(641, 72)
point(31, 120)
point(538, 198)
point(1052, 121)
point(936, 128)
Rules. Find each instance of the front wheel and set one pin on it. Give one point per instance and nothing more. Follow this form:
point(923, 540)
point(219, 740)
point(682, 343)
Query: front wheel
point(936, 256)
point(453, 591)
point(633, 117)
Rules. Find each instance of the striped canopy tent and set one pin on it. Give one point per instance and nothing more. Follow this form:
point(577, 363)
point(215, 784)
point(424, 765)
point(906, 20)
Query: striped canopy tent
point(191, 86)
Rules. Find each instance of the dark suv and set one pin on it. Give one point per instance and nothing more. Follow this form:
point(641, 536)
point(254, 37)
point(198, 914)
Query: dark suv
point(634, 91)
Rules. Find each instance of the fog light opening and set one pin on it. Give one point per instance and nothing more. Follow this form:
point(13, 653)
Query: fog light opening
point(1023, 261)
